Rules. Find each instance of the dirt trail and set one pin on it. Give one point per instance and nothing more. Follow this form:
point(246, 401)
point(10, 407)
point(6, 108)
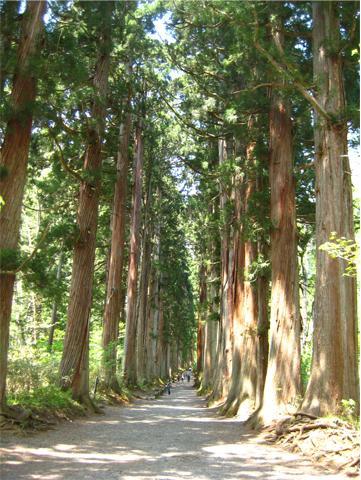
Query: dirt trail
point(175, 437)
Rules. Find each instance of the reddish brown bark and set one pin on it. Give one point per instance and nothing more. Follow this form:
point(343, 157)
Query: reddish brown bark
point(282, 385)
point(74, 362)
point(244, 365)
point(113, 302)
point(13, 163)
point(130, 360)
point(334, 374)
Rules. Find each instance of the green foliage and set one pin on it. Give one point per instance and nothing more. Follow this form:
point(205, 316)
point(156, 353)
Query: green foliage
point(10, 259)
point(50, 397)
point(344, 249)
point(209, 84)
point(306, 361)
point(259, 268)
point(349, 412)
point(32, 368)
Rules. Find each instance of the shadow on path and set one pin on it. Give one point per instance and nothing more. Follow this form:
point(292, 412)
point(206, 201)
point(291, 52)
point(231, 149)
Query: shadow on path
point(175, 437)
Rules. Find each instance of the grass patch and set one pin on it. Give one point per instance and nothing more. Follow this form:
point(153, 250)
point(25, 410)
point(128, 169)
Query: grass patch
point(49, 397)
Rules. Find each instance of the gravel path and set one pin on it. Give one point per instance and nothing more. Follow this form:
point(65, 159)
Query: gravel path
point(175, 437)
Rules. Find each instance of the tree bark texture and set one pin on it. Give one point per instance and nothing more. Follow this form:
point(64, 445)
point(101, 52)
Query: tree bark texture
point(244, 365)
point(153, 337)
point(74, 365)
point(334, 373)
point(144, 287)
point(224, 361)
point(112, 310)
point(213, 318)
point(130, 359)
point(13, 163)
point(282, 385)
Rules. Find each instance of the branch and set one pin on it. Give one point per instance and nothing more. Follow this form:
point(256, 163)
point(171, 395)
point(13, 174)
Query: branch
point(62, 160)
point(281, 69)
point(192, 167)
point(31, 256)
point(189, 125)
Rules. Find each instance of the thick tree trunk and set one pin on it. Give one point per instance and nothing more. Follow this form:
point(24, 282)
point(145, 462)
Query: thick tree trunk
point(244, 365)
point(54, 310)
point(112, 310)
point(334, 374)
point(13, 164)
point(74, 362)
point(283, 385)
point(130, 359)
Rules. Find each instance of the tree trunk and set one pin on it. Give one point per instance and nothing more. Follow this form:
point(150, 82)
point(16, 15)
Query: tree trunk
point(201, 315)
point(54, 310)
point(244, 364)
point(153, 323)
point(142, 317)
point(74, 362)
point(262, 327)
point(212, 324)
point(13, 164)
point(112, 308)
point(130, 359)
point(334, 374)
point(224, 361)
point(283, 385)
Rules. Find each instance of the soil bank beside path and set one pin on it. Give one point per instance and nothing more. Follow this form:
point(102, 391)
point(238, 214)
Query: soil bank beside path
point(173, 438)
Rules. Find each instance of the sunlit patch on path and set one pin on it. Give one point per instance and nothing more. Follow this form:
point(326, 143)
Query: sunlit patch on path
point(175, 437)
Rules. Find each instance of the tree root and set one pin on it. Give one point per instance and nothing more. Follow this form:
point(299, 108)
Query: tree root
point(330, 441)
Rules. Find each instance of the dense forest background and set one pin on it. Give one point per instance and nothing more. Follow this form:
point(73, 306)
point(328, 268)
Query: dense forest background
point(175, 192)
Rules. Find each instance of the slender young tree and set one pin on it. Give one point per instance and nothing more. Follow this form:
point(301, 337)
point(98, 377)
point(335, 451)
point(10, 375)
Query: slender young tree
point(334, 373)
point(13, 165)
point(74, 363)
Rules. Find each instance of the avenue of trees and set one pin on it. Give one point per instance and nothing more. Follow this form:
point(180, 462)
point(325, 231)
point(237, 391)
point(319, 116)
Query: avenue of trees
point(176, 191)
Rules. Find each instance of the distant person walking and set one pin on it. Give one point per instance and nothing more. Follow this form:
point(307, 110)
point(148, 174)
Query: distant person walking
point(168, 387)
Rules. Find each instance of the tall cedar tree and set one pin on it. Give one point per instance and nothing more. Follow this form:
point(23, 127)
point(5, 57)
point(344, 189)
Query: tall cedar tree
point(130, 360)
point(113, 302)
point(74, 362)
point(13, 164)
point(334, 373)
